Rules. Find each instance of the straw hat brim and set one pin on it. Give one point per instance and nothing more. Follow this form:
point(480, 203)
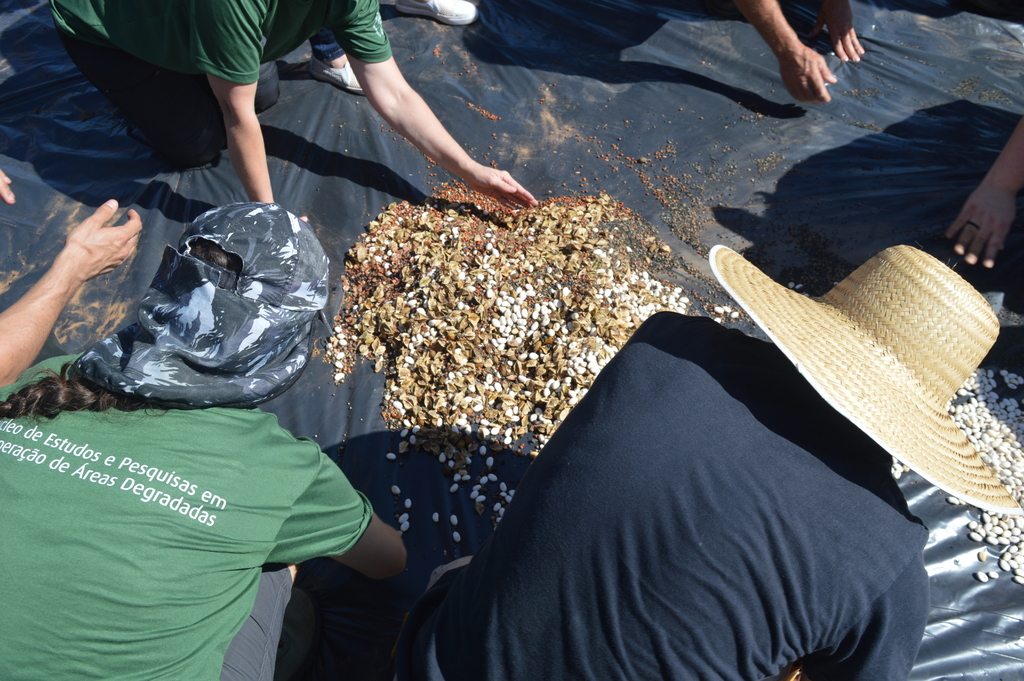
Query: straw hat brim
point(865, 382)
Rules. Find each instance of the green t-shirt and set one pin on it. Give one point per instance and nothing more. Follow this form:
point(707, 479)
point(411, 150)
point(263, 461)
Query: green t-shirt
point(132, 542)
point(225, 38)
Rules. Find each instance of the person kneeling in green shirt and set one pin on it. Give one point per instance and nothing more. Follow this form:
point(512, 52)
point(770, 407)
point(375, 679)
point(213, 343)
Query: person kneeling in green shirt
point(146, 501)
point(188, 76)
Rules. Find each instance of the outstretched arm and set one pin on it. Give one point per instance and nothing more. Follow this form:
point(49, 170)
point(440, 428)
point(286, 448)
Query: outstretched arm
point(981, 227)
point(400, 105)
point(803, 70)
point(245, 138)
point(91, 248)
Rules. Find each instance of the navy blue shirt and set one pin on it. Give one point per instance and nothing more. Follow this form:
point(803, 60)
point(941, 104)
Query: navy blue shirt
point(702, 514)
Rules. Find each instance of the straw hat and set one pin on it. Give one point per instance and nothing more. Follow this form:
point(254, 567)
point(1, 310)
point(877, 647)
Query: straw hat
point(887, 347)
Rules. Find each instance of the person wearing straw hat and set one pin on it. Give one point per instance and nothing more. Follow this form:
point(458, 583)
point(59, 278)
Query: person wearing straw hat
point(145, 499)
point(719, 507)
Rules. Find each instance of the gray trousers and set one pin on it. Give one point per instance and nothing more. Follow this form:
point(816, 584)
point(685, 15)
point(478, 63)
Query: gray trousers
point(253, 651)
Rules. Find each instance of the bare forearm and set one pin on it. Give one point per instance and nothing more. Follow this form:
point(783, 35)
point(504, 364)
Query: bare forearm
point(767, 19)
point(409, 114)
point(249, 157)
point(25, 325)
point(398, 103)
point(1007, 173)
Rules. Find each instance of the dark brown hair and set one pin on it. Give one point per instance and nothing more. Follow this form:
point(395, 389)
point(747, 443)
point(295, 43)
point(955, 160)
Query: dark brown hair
point(67, 391)
point(57, 392)
point(204, 249)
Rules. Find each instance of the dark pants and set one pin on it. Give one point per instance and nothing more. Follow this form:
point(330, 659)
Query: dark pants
point(177, 113)
point(324, 46)
point(253, 651)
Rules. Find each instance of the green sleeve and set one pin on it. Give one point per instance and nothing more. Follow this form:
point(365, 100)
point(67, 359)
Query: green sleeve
point(361, 33)
point(226, 38)
point(328, 518)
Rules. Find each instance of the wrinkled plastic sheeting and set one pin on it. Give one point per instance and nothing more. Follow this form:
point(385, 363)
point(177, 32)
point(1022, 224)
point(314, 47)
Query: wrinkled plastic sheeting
point(681, 117)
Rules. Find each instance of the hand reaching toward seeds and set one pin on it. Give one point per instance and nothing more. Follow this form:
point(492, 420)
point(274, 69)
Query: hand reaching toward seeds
point(499, 185)
point(806, 75)
point(838, 18)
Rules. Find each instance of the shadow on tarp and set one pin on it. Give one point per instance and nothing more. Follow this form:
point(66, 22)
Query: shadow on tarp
point(535, 34)
point(888, 161)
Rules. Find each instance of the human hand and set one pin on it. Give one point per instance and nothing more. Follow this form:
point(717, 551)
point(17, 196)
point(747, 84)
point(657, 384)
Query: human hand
point(837, 16)
point(805, 73)
point(983, 223)
point(5, 190)
point(498, 184)
point(92, 248)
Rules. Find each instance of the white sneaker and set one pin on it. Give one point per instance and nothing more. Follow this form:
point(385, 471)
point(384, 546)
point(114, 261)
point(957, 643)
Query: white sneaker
point(343, 78)
point(452, 12)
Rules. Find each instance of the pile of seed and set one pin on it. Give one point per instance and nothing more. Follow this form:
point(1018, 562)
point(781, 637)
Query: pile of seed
point(995, 426)
point(490, 325)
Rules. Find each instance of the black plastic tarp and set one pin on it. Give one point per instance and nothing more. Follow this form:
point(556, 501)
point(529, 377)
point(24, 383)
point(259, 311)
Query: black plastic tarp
point(680, 116)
